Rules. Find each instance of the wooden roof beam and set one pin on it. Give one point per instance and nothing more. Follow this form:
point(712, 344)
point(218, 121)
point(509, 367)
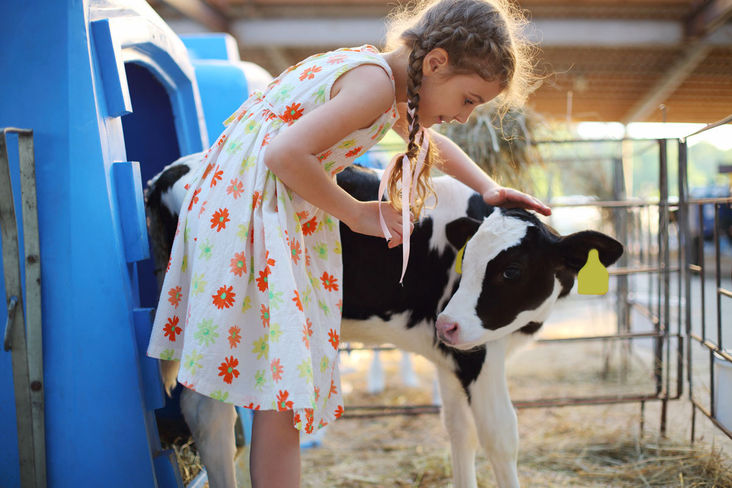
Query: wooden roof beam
point(707, 16)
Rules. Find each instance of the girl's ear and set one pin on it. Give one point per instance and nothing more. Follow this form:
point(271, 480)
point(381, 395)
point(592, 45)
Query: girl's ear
point(434, 61)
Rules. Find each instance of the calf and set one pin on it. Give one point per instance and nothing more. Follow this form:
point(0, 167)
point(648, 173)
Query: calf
point(514, 268)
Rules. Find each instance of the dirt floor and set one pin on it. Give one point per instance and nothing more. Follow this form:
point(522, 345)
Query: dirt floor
point(580, 446)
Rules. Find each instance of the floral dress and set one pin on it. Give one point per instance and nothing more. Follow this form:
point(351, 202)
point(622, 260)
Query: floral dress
point(251, 302)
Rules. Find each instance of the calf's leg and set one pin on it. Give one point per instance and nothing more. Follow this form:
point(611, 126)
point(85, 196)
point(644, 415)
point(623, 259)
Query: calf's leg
point(458, 420)
point(495, 417)
point(212, 425)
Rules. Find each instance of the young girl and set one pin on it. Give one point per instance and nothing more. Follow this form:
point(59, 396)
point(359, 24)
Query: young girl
point(252, 295)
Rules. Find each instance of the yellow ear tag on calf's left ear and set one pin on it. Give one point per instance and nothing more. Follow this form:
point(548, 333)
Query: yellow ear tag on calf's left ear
point(593, 278)
point(459, 259)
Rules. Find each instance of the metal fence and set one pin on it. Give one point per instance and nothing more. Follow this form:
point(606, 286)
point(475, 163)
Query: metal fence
point(653, 291)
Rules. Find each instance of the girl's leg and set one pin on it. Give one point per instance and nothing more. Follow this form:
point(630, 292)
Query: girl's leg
point(274, 460)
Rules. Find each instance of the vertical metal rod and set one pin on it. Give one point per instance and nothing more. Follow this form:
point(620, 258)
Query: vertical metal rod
point(683, 278)
point(702, 272)
point(664, 286)
point(642, 418)
point(693, 422)
point(718, 300)
point(660, 326)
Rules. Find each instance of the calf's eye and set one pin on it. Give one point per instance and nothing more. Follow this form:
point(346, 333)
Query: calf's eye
point(512, 273)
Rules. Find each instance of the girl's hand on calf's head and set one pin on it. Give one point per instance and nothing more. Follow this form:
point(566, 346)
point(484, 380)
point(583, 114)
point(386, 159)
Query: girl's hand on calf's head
point(510, 198)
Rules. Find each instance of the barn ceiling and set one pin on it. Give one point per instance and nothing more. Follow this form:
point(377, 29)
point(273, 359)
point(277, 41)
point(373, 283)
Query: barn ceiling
point(602, 60)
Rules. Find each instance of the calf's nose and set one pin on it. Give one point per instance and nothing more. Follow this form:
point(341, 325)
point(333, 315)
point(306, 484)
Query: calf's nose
point(447, 329)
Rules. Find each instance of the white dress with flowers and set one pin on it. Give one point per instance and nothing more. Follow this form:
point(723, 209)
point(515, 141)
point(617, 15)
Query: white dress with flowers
point(251, 302)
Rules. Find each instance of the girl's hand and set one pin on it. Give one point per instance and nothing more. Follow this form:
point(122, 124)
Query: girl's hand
point(367, 221)
point(510, 198)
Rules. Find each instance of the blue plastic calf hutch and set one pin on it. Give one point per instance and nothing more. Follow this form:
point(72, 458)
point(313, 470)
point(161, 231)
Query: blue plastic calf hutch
point(112, 96)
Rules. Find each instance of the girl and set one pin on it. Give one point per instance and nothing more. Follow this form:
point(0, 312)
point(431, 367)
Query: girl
point(251, 299)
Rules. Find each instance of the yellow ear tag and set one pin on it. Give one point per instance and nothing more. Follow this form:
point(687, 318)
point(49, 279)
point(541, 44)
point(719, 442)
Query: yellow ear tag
point(593, 278)
point(459, 259)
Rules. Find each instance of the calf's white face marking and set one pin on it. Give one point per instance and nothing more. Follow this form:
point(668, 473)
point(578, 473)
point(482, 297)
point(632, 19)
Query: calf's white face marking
point(496, 234)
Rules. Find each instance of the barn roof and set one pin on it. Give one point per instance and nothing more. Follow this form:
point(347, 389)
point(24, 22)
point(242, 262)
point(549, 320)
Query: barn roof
point(604, 60)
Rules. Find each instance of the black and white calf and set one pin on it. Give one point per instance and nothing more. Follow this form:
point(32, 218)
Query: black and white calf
point(514, 269)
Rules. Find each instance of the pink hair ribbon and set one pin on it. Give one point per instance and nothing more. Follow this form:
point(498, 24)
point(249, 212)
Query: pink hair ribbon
point(409, 185)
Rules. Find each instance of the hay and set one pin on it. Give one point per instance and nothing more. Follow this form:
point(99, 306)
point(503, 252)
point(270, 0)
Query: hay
point(189, 461)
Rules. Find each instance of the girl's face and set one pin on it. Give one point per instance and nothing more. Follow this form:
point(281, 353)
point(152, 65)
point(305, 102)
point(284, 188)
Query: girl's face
point(445, 97)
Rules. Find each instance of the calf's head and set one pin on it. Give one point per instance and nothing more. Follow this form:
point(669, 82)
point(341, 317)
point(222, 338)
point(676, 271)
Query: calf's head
point(514, 269)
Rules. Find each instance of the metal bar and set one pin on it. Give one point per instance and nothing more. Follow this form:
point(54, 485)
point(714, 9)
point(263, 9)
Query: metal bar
point(639, 269)
point(718, 275)
point(724, 292)
point(714, 348)
point(662, 377)
point(707, 127)
point(19, 358)
point(621, 336)
point(647, 312)
point(711, 417)
point(685, 260)
point(710, 200)
point(615, 204)
point(33, 309)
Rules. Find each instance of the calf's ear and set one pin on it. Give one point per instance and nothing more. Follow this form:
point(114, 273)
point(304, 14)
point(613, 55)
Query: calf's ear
point(574, 248)
point(460, 230)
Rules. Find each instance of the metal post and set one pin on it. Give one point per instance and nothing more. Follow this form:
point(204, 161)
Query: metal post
point(664, 288)
point(684, 261)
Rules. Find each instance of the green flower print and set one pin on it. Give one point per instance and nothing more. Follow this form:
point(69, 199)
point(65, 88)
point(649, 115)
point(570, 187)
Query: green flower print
point(328, 222)
point(260, 379)
point(243, 232)
point(275, 332)
point(319, 95)
point(234, 146)
point(307, 296)
point(184, 263)
point(206, 333)
point(324, 307)
point(337, 249)
point(192, 361)
point(219, 395)
point(283, 93)
point(348, 143)
point(198, 284)
point(261, 347)
point(314, 282)
point(186, 233)
point(246, 305)
point(252, 126)
point(246, 164)
point(275, 297)
point(324, 364)
point(306, 370)
point(206, 249)
point(329, 166)
point(321, 250)
point(167, 354)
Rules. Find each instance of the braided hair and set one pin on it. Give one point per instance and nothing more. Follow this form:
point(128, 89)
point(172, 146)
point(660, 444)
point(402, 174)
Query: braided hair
point(480, 37)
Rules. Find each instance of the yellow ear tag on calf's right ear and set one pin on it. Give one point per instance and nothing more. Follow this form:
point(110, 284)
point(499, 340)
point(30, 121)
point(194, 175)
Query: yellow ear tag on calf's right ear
point(593, 278)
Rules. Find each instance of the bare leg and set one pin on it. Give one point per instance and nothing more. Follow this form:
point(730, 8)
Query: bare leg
point(274, 460)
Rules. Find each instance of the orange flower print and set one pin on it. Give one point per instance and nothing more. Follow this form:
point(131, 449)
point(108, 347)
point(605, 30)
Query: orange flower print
point(209, 167)
point(203, 208)
point(333, 338)
point(307, 332)
point(264, 315)
point(295, 249)
point(316, 393)
point(282, 402)
point(324, 155)
point(175, 296)
point(252, 406)
point(216, 176)
point(256, 199)
point(219, 219)
point(310, 226)
point(228, 370)
point(307, 258)
point(194, 199)
point(337, 58)
point(296, 419)
point(239, 264)
point(330, 282)
point(262, 280)
point(234, 336)
point(224, 297)
point(266, 139)
point(171, 328)
point(235, 188)
point(333, 389)
point(354, 151)
point(338, 411)
point(277, 370)
point(297, 301)
point(268, 260)
point(292, 113)
point(309, 73)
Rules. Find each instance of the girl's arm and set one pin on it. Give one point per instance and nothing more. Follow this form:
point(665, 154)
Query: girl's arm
point(358, 98)
point(459, 165)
